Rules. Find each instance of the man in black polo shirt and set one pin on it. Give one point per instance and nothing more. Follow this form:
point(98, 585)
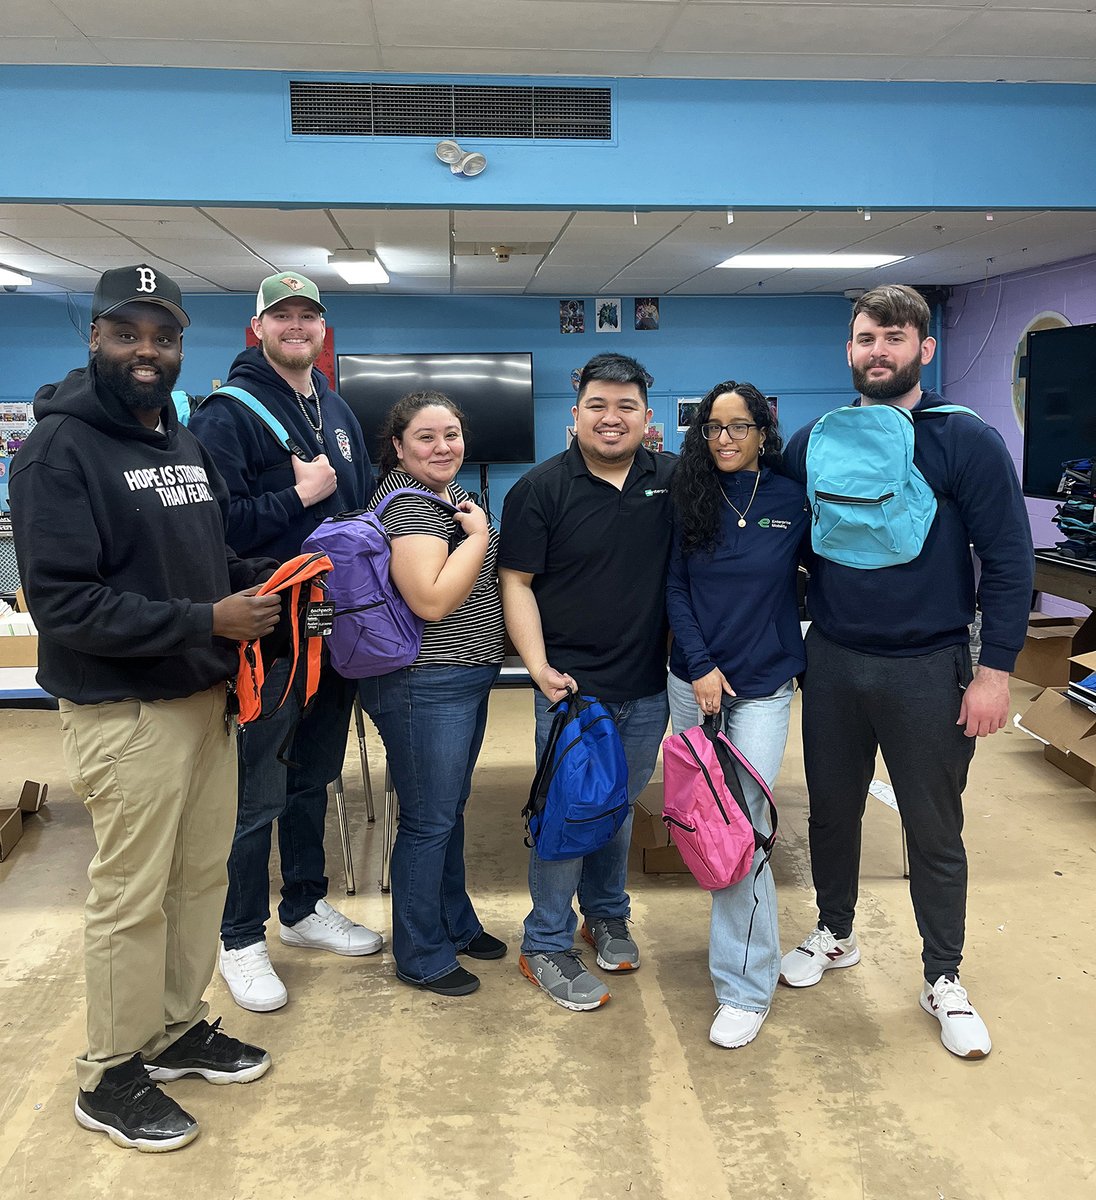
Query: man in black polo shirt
point(585, 541)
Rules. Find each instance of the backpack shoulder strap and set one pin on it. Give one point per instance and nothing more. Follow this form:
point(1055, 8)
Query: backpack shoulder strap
point(265, 418)
point(422, 495)
point(943, 409)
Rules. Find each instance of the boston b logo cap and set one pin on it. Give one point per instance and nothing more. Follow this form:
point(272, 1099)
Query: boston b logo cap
point(137, 285)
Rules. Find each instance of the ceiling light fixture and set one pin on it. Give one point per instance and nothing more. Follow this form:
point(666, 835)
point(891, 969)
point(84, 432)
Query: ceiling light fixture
point(460, 162)
point(810, 262)
point(358, 266)
point(867, 214)
point(10, 278)
point(730, 216)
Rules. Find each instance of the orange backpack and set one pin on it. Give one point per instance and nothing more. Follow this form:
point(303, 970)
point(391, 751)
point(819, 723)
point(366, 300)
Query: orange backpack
point(303, 579)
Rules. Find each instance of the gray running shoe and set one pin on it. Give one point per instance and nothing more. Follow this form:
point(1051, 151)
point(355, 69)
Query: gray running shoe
point(561, 974)
point(616, 950)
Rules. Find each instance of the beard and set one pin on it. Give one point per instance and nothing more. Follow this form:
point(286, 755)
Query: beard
point(903, 380)
point(137, 397)
point(292, 361)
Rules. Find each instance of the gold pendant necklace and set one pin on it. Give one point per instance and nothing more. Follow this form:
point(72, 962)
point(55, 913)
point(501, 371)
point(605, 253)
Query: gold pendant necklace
point(742, 513)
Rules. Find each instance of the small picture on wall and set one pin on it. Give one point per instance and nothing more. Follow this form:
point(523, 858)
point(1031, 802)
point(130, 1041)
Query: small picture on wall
point(572, 316)
point(576, 377)
point(686, 411)
point(646, 312)
point(608, 316)
point(774, 403)
point(654, 436)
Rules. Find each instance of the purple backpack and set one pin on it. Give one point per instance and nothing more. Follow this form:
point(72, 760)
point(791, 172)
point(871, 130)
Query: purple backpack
point(705, 809)
point(375, 632)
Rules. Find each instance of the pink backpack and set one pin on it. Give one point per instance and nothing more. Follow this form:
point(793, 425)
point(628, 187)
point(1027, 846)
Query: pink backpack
point(705, 807)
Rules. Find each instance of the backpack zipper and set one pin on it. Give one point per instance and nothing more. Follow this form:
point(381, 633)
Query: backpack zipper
point(833, 497)
point(599, 817)
point(680, 824)
point(708, 780)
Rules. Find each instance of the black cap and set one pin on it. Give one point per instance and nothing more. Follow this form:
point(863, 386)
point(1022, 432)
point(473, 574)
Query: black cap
point(137, 285)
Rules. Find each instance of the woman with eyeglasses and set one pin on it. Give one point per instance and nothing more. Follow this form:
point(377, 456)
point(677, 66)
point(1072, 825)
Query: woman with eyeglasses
point(731, 596)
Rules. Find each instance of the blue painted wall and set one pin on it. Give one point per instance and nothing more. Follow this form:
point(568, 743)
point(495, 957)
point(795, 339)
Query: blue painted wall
point(193, 136)
point(791, 347)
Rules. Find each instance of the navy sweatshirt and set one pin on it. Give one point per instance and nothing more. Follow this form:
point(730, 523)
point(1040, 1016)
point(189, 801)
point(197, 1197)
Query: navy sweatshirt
point(927, 604)
point(266, 515)
point(120, 536)
point(736, 608)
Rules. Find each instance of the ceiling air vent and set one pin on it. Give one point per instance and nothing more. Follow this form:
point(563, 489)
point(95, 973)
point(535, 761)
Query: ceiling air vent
point(337, 109)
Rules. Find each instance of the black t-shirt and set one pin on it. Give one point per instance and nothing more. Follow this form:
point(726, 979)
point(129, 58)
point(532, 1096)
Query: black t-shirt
point(598, 556)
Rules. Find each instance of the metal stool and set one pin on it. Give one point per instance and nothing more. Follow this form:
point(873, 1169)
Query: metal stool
point(340, 800)
point(391, 808)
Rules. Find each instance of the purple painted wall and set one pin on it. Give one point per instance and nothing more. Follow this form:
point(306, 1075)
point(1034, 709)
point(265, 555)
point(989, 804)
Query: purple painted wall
point(983, 323)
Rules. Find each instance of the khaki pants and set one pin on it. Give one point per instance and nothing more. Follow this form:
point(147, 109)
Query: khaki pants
point(159, 779)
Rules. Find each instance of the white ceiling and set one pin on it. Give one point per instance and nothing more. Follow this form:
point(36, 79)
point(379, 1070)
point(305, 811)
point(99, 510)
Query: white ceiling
point(66, 247)
point(973, 40)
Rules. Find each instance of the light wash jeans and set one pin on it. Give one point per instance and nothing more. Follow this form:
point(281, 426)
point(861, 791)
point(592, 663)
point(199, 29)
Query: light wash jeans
point(597, 878)
point(759, 728)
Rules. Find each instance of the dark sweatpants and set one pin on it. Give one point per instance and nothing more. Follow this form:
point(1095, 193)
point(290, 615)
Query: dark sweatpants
point(907, 707)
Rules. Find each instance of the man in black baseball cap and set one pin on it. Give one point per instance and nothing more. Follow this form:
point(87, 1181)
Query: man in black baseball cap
point(119, 519)
point(137, 285)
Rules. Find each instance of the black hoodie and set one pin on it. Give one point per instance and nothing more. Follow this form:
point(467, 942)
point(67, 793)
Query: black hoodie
point(120, 536)
point(265, 514)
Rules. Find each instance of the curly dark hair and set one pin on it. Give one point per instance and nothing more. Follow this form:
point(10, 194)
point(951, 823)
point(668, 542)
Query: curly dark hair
point(695, 487)
point(400, 415)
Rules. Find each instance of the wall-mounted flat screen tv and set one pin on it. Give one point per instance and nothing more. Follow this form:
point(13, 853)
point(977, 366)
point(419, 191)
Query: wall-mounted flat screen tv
point(494, 391)
point(1059, 406)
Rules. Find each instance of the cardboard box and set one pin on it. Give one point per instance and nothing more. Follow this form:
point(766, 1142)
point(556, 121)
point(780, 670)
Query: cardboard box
point(18, 641)
point(652, 851)
point(31, 799)
point(1049, 645)
point(1068, 728)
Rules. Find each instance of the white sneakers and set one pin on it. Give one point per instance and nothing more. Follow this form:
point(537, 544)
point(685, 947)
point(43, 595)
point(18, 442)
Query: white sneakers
point(328, 929)
point(250, 975)
point(962, 1030)
point(818, 952)
point(251, 978)
point(734, 1027)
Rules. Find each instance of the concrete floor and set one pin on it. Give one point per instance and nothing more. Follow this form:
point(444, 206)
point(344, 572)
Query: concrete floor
point(381, 1090)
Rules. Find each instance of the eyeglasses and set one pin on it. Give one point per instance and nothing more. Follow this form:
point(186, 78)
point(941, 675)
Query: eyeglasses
point(739, 431)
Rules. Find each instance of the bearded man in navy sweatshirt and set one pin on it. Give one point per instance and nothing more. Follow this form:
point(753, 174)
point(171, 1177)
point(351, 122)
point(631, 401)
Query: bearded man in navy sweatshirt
point(119, 519)
point(889, 667)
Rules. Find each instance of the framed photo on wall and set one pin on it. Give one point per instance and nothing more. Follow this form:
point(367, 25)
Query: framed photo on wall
point(607, 316)
point(686, 411)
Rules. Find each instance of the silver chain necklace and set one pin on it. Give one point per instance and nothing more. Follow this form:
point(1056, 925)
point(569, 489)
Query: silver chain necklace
point(742, 512)
point(317, 424)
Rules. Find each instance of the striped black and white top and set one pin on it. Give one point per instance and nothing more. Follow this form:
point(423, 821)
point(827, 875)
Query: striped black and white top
point(472, 634)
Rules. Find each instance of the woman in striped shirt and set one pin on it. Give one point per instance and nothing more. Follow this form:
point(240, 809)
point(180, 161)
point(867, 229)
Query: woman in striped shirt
point(432, 715)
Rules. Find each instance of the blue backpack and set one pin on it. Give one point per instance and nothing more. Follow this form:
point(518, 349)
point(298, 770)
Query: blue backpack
point(375, 631)
point(871, 506)
point(579, 797)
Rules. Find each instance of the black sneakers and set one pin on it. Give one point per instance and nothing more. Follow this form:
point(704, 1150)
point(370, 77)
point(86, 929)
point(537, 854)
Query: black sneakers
point(132, 1111)
point(204, 1050)
point(484, 945)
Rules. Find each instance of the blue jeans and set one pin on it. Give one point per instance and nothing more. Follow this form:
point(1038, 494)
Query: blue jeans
point(598, 878)
point(759, 728)
point(431, 720)
point(295, 797)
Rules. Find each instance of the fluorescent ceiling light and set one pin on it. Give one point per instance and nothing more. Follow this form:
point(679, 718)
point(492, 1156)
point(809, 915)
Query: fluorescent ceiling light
point(810, 262)
point(10, 278)
point(358, 266)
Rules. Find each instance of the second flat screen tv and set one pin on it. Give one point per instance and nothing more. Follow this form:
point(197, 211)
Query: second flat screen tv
point(494, 391)
point(1060, 405)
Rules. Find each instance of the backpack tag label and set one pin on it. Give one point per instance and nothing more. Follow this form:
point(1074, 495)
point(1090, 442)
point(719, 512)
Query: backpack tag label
point(319, 619)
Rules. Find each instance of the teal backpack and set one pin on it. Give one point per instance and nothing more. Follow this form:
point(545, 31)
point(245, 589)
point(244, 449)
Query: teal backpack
point(871, 507)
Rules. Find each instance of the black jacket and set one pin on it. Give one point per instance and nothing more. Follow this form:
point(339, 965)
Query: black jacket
point(120, 536)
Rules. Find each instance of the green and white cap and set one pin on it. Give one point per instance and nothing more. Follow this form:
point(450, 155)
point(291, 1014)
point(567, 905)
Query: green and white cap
point(285, 286)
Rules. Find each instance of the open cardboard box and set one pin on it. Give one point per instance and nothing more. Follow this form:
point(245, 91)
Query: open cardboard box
point(652, 851)
point(18, 642)
point(1068, 728)
point(1049, 645)
point(31, 799)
